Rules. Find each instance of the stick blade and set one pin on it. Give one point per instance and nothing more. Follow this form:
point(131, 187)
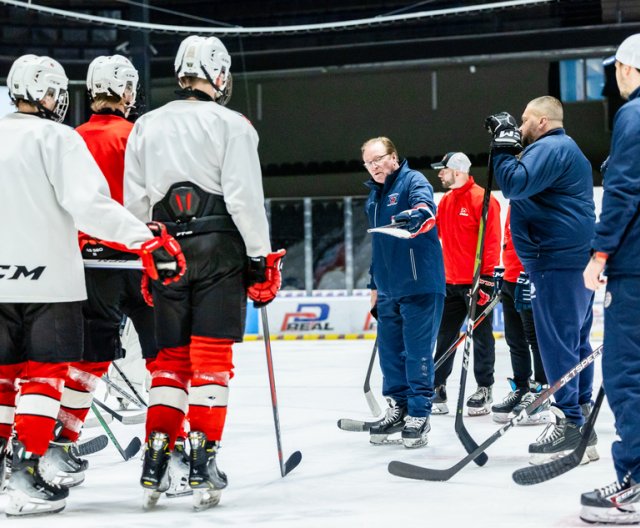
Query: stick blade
point(93, 445)
point(528, 476)
point(356, 426)
point(470, 445)
point(292, 463)
point(410, 471)
point(133, 448)
point(130, 419)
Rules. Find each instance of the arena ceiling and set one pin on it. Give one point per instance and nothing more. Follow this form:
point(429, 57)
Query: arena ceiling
point(459, 28)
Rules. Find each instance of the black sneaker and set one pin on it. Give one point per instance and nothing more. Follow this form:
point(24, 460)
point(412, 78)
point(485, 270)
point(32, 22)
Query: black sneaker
point(558, 439)
point(439, 402)
point(617, 503)
point(479, 402)
point(414, 432)
point(155, 477)
point(29, 492)
point(502, 410)
point(393, 422)
point(206, 480)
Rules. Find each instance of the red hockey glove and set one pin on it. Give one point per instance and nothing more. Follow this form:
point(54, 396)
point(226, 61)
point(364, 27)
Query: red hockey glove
point(92, 249)
point(161, 256)
point(265, 277)
point(417, 220)
point(145, 289)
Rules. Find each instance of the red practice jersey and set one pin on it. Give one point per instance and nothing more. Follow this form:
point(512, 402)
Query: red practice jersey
point(106, 136)
point(511, 262)
point(458, 222)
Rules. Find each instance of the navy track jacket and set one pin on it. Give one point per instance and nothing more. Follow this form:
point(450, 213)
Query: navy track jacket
point(618, 231)
point(552, 209)
point(399, 266)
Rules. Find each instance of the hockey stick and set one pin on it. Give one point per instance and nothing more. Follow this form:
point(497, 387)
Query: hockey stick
point(411, 471)
point(123, 264)
point(368, 393)
point(93, 445)
point(125, 419)
point(541, 473)
point(360, 426)
point(296, 457)
point(469, 443)
point(129, 384)
point(130, 450)
point(123, 392)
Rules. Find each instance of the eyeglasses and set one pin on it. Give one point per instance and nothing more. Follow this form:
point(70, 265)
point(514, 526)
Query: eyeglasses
point(375, 161)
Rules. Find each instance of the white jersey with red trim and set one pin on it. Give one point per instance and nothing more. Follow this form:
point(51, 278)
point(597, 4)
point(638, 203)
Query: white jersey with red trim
point(204, 143)
point(51, 187)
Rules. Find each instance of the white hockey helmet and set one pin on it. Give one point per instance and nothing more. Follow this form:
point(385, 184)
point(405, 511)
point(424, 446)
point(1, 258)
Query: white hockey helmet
point(32, 78)
point(112, 75)
point(205, 58)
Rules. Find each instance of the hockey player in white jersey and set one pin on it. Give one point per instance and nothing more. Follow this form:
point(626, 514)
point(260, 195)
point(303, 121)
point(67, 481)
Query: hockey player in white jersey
point(207, 186)
point(51, 187)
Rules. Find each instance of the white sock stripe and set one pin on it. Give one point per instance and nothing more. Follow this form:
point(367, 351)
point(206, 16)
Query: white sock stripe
point(170, 375)
point(169, 396)
point(7, 413)
point(74, 399)
point(39, 405)
point(218, 378)
point(89, 381)
point(71, 422)
point(56, 383)
point(209, 396)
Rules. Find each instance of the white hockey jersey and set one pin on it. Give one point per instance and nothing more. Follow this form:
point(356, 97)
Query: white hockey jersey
point(206, 144)
point(51, 187)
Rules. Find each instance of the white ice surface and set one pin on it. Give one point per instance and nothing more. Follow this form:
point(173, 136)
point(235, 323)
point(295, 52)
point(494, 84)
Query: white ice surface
point(342, 480)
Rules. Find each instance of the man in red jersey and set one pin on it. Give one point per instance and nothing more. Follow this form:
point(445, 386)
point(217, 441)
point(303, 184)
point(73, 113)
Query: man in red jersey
point(458, 221)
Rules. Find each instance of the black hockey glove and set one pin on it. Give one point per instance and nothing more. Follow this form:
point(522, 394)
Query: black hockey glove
point(505, 133)
point(498, 278)
point(522, 300)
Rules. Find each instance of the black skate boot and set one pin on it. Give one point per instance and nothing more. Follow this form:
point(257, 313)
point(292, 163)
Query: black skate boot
point(205, 478)
point(558, 439)
point(617, 503)
point(179, 471)
point(414, 433)
point(393, 422)
point(155, 477)
point(502, 410)
point(29, 492)
point(591, 452)
point(3, 463)
point(542, 415)
point(479, 403)
point(439, 402)
point(62, 465)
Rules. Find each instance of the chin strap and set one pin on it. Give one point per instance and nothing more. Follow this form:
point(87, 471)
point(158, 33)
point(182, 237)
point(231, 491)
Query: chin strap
point(186, 93)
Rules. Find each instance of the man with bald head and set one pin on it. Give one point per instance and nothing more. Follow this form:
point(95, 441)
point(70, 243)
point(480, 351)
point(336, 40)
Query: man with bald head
point(550, 186)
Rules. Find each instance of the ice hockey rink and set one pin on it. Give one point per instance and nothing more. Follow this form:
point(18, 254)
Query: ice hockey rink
point(342, 480)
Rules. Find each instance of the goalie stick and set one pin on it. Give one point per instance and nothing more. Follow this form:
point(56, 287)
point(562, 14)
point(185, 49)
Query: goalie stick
point(359, 426)
point(402, 469)
point(541, 473)
point(295, 459)
point(126, 419)
point(123, 393)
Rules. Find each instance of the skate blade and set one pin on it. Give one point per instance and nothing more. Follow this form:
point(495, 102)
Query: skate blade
point(384, 439)
point(414, 443)
point(478, 411)
point(68, 480)
point(541, 418)
point(439, 408)
point(203, 499)
point(22, 505)
point(593, 515)
point(150, 499)
point(501, 418)
point(537, 459)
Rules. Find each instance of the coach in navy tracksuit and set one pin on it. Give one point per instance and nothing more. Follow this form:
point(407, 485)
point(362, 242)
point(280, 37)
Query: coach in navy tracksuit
point(408, 282)
point(552, 223)
point(617, 243)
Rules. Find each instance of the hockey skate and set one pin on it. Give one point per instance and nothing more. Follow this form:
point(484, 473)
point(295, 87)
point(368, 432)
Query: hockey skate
point(617, 503)
point(502, 410)
point(179, 471)
point(542, 415)
point(439, 402)
point(206, 480)
point(392, 423)
point(557, 440)
point(61, 464)
point(479, 403)
point(591, 452)
point(414, 432)
point(29, 492)
point(155, 477)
